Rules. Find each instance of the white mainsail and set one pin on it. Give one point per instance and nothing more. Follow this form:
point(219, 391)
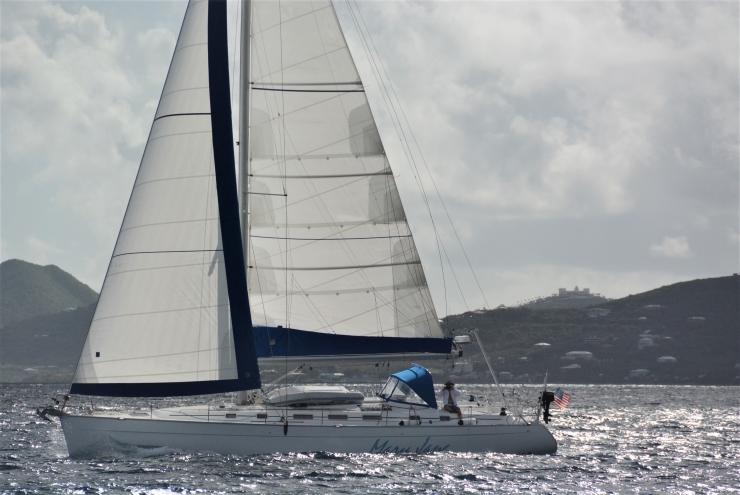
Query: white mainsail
point(330, 248)
point(163, 314)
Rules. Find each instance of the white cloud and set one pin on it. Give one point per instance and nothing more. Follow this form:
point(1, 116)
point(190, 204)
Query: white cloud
point(672, 247)
point(586, 113)
point(80, 116)
point(39, 251)
point(562, 109)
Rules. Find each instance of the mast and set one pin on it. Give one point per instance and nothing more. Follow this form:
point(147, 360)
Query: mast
point(242, 397)
point(244, 127)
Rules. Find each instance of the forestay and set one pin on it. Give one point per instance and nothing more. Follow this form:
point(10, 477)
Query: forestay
point(173, 316)
point(330, 248)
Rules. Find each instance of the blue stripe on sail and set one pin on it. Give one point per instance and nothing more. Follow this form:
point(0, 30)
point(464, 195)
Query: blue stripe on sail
point(293, 342)
point(228, 204)
point(166, 389)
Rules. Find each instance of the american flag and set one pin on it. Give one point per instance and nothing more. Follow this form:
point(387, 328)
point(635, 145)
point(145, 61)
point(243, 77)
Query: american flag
point(561, 399)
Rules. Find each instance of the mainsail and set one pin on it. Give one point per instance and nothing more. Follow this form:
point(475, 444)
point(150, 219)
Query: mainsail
point(173, 315)
point(330, 249)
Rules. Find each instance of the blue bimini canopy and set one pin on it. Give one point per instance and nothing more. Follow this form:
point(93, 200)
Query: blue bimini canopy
point(420, 381)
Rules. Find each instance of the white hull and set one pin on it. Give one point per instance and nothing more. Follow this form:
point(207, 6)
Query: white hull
point(101, 434)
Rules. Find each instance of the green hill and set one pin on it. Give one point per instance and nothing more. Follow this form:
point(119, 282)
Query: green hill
point(28, 290)
point(696, 322)
point(50, 344)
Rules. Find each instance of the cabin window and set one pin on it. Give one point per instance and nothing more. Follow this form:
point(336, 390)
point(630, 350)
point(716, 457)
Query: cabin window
point(264, 416)
point(231, 415)
point(444, 418)
point(303, 416)
point(338, 416)
point(372, 417)
point(415, 416)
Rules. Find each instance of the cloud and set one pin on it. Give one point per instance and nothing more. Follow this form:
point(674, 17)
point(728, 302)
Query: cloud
point(76, 116)
point(39, 251)
point(579, 127)
point(672, 247)
point(562, 135)
point(565, 109)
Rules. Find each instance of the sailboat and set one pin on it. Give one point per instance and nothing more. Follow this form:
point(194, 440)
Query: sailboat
point(303, 256)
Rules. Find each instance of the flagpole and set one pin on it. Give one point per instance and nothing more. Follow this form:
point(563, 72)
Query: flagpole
point(539, 402)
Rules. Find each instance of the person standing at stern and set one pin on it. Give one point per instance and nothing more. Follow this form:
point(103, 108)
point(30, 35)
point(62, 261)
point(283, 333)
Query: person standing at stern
point(450, 397)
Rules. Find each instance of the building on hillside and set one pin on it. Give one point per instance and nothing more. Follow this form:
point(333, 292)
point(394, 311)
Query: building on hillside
point(653, 306)
point(573, 366)
point(697, 318)
point(582, 355)
point(567, 299)
point(463, 367)
point(645, 342)
point(639, 372)
point(597, 312)
point(575, 292)
point(667, 360)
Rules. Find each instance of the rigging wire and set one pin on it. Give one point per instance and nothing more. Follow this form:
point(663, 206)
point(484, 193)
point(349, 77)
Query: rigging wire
point(398, 126)
point(233, 61)
point(409, 157)
point(426, 165)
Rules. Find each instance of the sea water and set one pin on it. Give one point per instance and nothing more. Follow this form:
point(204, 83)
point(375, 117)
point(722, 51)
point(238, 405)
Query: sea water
point(612, 439)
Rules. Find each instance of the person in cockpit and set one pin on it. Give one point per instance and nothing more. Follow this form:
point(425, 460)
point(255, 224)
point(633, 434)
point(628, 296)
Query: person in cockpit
point(450, 396)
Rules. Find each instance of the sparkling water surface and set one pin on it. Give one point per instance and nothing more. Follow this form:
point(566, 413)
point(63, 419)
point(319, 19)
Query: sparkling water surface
point(612, 439)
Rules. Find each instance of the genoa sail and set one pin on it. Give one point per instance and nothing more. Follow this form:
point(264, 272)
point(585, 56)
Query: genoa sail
point(173, 314)
point(330, 250)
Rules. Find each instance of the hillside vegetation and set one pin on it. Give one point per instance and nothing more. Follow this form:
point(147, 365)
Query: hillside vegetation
point(696, 322)
point(49, 344)
point(28, 290)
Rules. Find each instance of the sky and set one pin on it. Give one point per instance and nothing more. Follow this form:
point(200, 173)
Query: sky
point(573, 143)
